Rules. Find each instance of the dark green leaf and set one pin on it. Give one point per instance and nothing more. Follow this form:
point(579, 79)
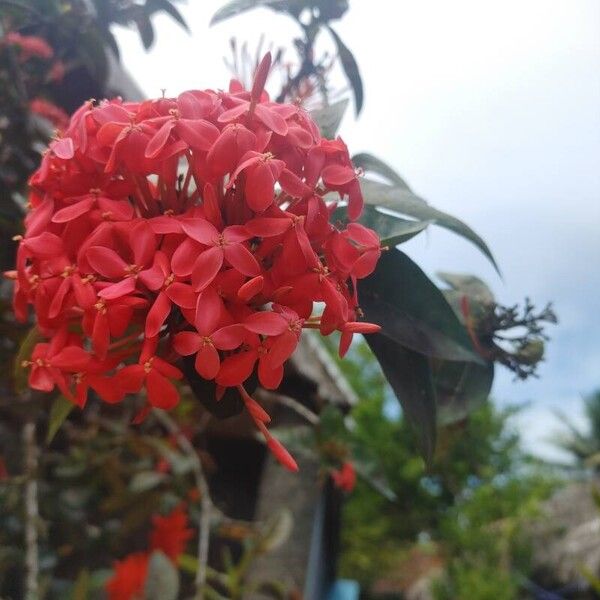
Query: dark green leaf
point(59, 412)
point(409, 375)
point(162, 581)
point(392, 230)
point(371, 164)
point(412, 310)
point(405, 202)
point(111, 42)
point(350, 69)
point(330, 117)
point(81, 588)
point(166, 6)
point(146, 30)
point(460, 388)
point(93, 55)
point(332, 9)
point(236, 7)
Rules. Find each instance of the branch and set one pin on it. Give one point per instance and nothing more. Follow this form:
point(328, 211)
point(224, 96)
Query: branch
point(290, 403)
point(206, 505)
point(31, 512)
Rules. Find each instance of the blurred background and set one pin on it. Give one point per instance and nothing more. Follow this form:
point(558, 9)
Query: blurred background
point(488, 110)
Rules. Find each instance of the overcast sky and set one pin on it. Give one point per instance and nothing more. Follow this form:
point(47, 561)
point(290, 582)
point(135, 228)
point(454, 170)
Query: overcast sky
point(491, 111)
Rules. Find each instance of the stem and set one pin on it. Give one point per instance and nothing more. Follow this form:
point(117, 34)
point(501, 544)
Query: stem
point(31, 512)
point(206, 505)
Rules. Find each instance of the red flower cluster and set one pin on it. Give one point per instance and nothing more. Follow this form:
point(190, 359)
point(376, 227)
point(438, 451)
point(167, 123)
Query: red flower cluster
point(169, 535)
point(192, 226)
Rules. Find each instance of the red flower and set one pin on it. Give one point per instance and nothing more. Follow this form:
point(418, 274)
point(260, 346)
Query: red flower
point(209, 339)
point(344, 478)
point(50, 361)
point(170, 534)
point(153, 372)
point(129, 577)
point(226, 245)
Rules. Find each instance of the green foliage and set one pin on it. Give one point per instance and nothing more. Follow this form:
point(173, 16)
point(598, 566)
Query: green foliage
point(477, 492)
point(486, 549)
point(584, 444)
point(61, 408)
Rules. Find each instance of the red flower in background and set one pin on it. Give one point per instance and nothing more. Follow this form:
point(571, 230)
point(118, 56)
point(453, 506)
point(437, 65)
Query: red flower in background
point(129, 578)
point(29, 45)
point(344, 478)
point(44, 108)
point(169, 535)
point(195, 225)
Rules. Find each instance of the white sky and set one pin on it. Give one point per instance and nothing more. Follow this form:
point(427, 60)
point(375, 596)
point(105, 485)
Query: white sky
point(491, 111)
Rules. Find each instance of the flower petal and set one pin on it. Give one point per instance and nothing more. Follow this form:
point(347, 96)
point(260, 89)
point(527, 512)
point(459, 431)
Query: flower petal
point(207, 265)
point(241, 259)
point(266, 323)
point(237, 368)
point(157, 314)
point(161, 392)
point(106, 262)
point(207, 361)
point(187, 342)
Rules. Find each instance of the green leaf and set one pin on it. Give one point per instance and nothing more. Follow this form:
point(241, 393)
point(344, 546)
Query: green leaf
point(165, 6)
point(470, 285)
point(392, 230)
point(81, 588)
point(146, 480)
point(329, 118)
point(460, 388)
point(237, 7)
point(276, 531)
point(111, 42)
point(162, 581)
point(412, 311)
point(409, 375)
point(93, 55)
point(350, 69)
point(371, 164)
point(20, 373)
point(61, 408)
point(407, 203)
point(145, 29)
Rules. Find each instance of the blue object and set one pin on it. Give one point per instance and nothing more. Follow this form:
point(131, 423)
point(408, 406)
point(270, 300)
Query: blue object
point(344, 589)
